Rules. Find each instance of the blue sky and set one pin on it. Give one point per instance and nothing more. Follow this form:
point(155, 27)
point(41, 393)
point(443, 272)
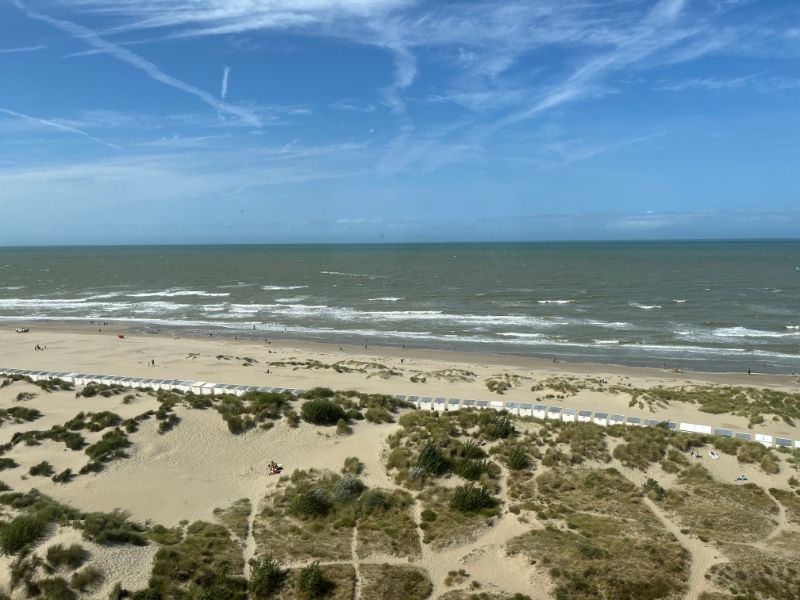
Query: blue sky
point(185, 121)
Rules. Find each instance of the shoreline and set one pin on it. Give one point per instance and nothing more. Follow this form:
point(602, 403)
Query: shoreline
point(501, 359)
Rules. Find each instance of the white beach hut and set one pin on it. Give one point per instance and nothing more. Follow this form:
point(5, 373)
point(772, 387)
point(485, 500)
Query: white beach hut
point(525, 409)
point(764, 439)
point(426, 403)
point(512, 408)
point(554, 413)
point(633, 421)
point(496, 405)
point(453, 404)
point(414, 400)
point(197, 387)
point(540, 411)
point(440, 404)
point(482, 404)
point(584, 416)
point(742, 436)
point(616, 420)
point(695, 428)
point(468, 404)
point(569, 415)
point(601, 418)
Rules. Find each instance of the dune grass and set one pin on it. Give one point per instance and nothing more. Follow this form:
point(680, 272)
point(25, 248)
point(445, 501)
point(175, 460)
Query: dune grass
point(721, 512)
point(612, 545)
point(305, 520)
point(791, 501)
point(394, 582)
point(761, 573)
point(87, 579)
point(236, 517)
point(21, 533)
point(385, 524)
point(336, 582)
point(70, 557)
point(206, 564)
point(446, 525)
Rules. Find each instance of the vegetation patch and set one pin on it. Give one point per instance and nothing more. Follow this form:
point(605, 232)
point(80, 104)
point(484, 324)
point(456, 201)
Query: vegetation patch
point(206, 564)
point(451, 525)
point(309, 517)
point(332, 582)
point(722, 512)
point(236, 517)
point(385, 524)
point(770, 572)
point(394, 582)
point(612, 547)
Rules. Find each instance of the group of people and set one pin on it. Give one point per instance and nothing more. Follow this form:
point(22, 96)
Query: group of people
point(274, 468)
point(37, 347)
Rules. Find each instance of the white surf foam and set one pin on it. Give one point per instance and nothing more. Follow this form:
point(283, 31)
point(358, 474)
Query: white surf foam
point(281, 288)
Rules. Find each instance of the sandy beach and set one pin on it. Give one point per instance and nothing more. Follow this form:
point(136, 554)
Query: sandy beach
point(199, 466)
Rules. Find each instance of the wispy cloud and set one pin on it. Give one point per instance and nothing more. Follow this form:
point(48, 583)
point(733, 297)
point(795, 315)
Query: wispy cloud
point(224, 87)
point(758, 82)
point(35, 48)
point(151, 70)
point(54, 125)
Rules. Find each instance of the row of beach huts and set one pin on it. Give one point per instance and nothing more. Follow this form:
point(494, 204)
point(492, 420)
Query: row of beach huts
point(441, 405)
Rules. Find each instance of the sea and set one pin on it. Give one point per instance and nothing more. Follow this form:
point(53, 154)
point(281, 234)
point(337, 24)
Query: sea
point(703, 306)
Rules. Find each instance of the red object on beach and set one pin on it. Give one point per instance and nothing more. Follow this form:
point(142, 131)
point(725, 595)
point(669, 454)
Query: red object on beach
point(120, 336)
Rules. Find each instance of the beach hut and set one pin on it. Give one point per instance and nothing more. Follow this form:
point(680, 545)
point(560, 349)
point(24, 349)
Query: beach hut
point(584, 416)
point(694, 428)
point(453, 404)
point(650, 422)
point(569, 415)
point(783, 442)
point(554, 413)
point(468, 404)
point(197, 387)
point(496, 405)
point(525, 410)
point(742, 436)
point(723, 432)
point(426, 403)
point(482, 404)
point(414, 400)
point(633, 421)
point(540, 411)
point(184, 386)
point(797, 443)
point(764, 439)
point(616, 420)
point(512, 408)
point(440, 405)
point(601, 418)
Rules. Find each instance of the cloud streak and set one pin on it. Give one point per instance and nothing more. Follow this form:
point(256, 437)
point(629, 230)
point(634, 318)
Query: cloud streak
point(148, 68)
point(224, 86)
point(35, 48)
point(54, 125)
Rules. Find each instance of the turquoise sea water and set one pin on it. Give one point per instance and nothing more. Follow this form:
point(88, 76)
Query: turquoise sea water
point(700, 305)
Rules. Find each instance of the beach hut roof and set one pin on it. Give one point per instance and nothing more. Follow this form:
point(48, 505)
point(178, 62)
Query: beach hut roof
point(585, 413)
point(601, 415)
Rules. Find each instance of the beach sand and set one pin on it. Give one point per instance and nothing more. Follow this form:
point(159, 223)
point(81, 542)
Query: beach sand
point(199, 466)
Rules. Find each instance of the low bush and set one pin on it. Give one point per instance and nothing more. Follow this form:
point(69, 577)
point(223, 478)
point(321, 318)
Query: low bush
point(56, 588)
point(517, 459)
point(71, 557)
point(266, 578)
point(322, 412)
point(86, 579)
point(348, 488)
point(43, 469)
point(432, 460)
point(310, 504)
point(312, 583)
point(470, 498)
point(21, 532)
point(113, 527)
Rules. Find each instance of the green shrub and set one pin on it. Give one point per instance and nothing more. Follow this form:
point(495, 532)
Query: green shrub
point(322, 412)
point(432, 460)
point(266, 578)
point(353, 465)
point(471, 498)
point(470, 469)
point(56, 589)
point(43, 469)
point(342, 428)
point(496, 426)
point(374, 501)
point(7, 463)
point(113, 527)
point(310, 503)
point(347, 488)
point(319, 392)
point(311, 583)
point(428, 515)
point(72, 557)
point(86, 579)
point(517, 459)
point(21, 532)
point(111, 446)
